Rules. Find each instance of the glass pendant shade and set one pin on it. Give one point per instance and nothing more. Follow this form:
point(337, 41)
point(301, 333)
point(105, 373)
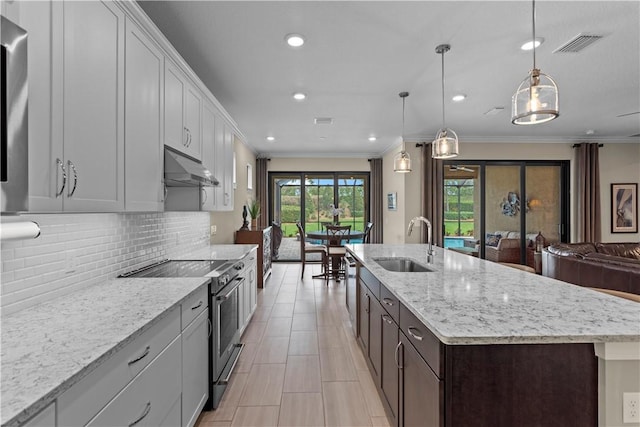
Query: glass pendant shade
point(445, 146)
point(536, 100)
point(402, 162)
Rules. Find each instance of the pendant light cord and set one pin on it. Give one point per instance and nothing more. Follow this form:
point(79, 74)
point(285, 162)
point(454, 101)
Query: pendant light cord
point(403, 98)
point(443, 123)
point(533, 21)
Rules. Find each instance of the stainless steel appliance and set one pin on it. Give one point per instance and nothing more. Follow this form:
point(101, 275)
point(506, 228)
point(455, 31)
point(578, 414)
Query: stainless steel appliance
point(14, 167)
point(224, 344)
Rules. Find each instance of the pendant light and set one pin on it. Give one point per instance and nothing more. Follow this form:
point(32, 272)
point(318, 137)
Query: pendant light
point(445, 146)
point(536, 100)
point(402, 161)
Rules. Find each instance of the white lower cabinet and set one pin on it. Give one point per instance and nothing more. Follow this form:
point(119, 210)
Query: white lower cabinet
point(195, 364)
point(247, 292)
point(148, 399)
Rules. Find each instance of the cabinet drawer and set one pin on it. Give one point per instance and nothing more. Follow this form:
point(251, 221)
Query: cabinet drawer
point(84, 400)
point(194, 305)
point(150, 397)
point(427, 344)
point(390, 303)
point(370, 281)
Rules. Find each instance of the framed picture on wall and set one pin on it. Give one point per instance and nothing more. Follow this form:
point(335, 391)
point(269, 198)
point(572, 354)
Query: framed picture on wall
point(624, 208)
point(392, 201)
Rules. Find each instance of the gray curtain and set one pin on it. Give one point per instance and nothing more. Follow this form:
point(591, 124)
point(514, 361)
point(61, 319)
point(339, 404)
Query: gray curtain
point(376, 200)
point(261, 190)
point(588, 188)
point(432, 194)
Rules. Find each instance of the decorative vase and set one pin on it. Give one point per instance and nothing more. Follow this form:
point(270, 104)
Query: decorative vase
point(254, 224)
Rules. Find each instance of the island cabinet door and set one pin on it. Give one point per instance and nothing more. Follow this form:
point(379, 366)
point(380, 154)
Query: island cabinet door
point(375, 339)
point(365, 308)
point(421, 392)
point(389, 380)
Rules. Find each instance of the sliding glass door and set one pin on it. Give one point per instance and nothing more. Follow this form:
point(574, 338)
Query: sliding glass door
point(495, 209)
point(313, 199)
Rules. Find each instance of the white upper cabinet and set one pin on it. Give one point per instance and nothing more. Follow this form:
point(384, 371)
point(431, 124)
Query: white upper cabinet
point(144, 80)
point(93, 105)
point(224, 165)
point(183, 105)
point(208, 154)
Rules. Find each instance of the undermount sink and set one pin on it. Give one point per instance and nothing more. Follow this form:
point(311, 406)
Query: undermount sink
point(404, 265)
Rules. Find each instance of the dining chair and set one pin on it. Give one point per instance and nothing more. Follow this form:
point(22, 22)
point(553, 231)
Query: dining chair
point(310, 248)
point(367, 231)
point(335, 263)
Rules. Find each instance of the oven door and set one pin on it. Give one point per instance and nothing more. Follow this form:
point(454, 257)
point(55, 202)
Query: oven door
point(227, 325)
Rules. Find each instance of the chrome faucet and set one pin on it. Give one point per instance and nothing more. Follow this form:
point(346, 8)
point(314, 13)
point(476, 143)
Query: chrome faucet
point(429, 235)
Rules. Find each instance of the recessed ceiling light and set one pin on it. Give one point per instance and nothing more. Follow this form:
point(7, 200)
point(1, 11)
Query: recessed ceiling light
point(372, 138)
point(271, 138)
point(459, 97)
point(590, 132)
point(294, 40)
point(529, 45)
point(299, 96)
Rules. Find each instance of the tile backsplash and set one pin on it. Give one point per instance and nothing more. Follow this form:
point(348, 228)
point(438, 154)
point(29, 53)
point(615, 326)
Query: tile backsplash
point(78, 250)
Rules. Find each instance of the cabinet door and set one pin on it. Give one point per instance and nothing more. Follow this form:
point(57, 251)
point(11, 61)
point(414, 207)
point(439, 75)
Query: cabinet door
point(174, 87)
point(389, 379)
point(225, 169)
point(420, 390)
point(45, 151)
point(375, 339)
point(242, 317)
point(365, 308)
point(195, 368)
point(193, 107)
point(208, 154)
point(144, 76)
point(93, 94)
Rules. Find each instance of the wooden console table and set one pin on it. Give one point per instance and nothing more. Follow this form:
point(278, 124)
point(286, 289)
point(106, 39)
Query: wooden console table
point(262, 238)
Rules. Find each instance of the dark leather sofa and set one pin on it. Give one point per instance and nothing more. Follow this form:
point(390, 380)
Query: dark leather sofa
point(613, 266)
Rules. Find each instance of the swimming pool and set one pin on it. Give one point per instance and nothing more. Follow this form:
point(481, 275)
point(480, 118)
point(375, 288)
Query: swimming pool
point(455, 241)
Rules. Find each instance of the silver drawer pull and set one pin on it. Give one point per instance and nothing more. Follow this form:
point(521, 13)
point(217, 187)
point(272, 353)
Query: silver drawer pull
point(197, 306)
point(395, 355)
point(387, 301)
point(60, 164)
point(72, 167)
point(387, 319)
point(139, 358)
point(418, 337)
point(147, 409)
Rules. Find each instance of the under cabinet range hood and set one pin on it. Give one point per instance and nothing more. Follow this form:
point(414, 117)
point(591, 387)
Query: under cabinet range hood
point(183, 171)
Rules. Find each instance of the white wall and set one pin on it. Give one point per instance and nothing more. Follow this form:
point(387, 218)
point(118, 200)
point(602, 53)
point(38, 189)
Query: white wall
point(228, 222)
point(318, 164)
point(619, 163)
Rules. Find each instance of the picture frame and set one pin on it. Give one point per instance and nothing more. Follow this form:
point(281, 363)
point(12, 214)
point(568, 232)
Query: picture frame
point(624, 208)
point(392, 200)
point(249, 177)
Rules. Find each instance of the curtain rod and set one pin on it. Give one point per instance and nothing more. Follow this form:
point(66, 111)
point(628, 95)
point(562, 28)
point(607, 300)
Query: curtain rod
point(578, 145)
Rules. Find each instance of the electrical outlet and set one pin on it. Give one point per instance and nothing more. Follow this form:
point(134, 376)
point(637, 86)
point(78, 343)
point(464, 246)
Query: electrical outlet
point(214, 229)
point(631, 407)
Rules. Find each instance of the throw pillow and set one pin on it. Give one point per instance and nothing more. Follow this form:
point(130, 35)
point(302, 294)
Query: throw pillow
point(492, 239)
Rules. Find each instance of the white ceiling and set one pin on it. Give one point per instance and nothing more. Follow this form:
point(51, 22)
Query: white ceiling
point(359, 55)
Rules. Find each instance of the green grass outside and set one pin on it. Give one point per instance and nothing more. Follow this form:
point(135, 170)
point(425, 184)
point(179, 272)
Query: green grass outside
point(451, 228)
point(290, 229)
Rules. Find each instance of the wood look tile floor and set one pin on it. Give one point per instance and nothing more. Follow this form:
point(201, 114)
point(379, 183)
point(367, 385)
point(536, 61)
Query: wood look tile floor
point(301, 365)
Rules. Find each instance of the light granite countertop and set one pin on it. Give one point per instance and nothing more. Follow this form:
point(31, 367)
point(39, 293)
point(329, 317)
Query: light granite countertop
point(466, 300)
point(50, 347)
point(213, 252)
point(47, 349)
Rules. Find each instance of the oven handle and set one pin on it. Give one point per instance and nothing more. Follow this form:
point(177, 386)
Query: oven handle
point(232, 290)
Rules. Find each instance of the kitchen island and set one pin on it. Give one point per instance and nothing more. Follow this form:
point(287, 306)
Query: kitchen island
point(499, 346)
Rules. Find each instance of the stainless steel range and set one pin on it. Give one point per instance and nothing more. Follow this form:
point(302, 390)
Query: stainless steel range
point(224, 345)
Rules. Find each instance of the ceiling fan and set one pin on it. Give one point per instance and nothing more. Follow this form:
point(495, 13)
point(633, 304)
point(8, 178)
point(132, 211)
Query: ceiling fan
point(460, 168)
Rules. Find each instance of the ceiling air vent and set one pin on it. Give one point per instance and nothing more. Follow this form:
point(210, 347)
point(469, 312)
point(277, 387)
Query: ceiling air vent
point(323, 121)
point(578, 43)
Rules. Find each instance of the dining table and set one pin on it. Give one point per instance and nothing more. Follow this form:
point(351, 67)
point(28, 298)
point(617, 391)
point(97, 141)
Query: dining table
point(334, 240)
